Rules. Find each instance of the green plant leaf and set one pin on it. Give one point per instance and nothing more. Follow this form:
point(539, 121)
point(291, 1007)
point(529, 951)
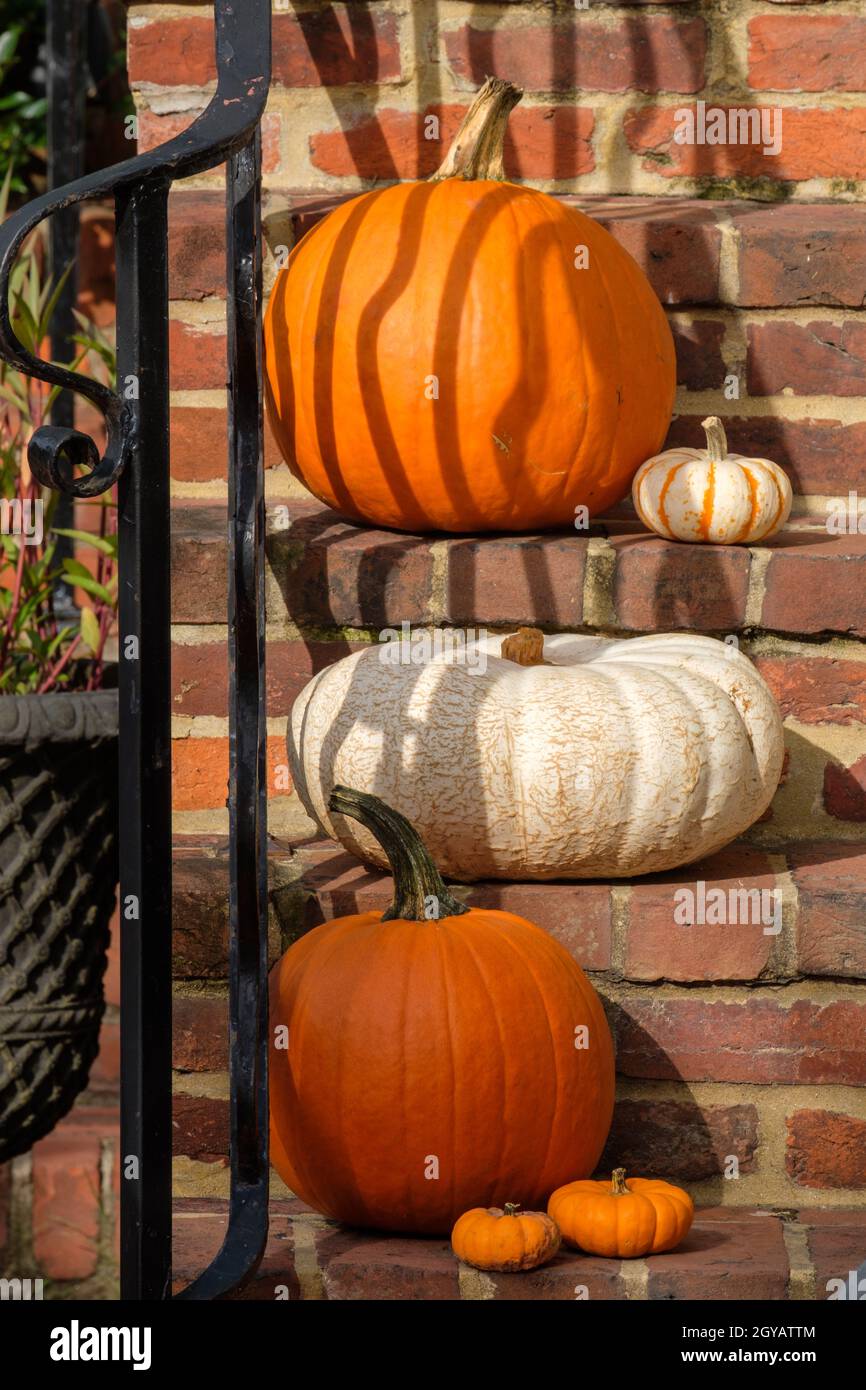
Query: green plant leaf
point(90, 633)
point(107, 544)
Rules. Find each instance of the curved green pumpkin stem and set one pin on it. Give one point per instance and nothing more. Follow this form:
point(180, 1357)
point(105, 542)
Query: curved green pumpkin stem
point(478, 148)
point(420, 894)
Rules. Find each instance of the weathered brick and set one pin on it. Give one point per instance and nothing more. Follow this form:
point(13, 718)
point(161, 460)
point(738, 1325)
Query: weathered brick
point(700, 365)
point(815, 584)
point(807, 53)
point(660, 584)
point(578, 54)
point(199, 444)
point(821, 457)
point(328, 572)
point(817, 144)
point(816, 689)
point(200, 1029)
point(845, 790)
point(542, 142)
point(200, 906)
point(200, 673)
point(199, 1226)
point(801, 255)
point(831, 925)
point(155, 128)
point(818, 358)
point(658, 948)
point(517, 580)
point(332, 47)
point(685, 1141)
point(826, 1149)
point(756, 1039)
point(200, 771)
point(578, 915)
point(200, 1127)
point(196, 244)
point(356, 1265)
point(836, 1242)
point(729, 1255)
point(198, 361)
point(199, 560)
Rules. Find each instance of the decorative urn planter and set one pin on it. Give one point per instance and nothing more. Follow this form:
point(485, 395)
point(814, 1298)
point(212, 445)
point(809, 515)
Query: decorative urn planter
point(58, 876)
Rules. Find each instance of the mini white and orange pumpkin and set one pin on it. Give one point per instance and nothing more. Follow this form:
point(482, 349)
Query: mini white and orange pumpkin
point(710, 494)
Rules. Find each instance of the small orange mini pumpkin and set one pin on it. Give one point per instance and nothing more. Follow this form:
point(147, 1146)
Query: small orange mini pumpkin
point(622, 1219)
point(505, 1238)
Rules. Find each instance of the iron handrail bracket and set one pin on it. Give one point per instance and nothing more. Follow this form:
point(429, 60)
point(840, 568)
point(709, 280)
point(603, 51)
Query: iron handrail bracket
point(136, 456)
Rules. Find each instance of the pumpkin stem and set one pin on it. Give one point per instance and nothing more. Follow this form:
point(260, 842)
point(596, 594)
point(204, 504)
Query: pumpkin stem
point(478, 147)
point(525, 647)
point(511, 1209)
point(717, 440)
point(617, 1182)
point(420, 894)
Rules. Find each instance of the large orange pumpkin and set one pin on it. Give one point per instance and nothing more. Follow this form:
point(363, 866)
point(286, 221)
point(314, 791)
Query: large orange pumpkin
point(466, 354)
point(434, 1063)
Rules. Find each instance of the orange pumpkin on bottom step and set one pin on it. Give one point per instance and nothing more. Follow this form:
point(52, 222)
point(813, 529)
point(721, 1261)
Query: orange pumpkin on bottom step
point(622, 1219)
point(505, 1238)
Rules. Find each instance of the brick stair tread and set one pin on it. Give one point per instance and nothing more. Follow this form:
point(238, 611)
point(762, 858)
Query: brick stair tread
point(730, 1253)
point(348, 576)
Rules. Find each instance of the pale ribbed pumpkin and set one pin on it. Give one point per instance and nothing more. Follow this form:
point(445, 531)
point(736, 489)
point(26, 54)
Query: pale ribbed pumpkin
point(566, 757)
point(620, 1219)
point(466, 354)
point(710, 494)
point(434, 1063)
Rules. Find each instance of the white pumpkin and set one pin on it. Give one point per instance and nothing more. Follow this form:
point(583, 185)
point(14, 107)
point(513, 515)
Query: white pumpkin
point(611, 758)
point(711, 495)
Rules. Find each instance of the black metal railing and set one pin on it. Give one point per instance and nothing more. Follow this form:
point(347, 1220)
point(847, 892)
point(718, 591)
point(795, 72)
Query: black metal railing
point(136, 457)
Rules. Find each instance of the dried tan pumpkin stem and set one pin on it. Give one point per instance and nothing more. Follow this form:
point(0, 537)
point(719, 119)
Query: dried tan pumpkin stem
point(478, 149)
point(511, 1208)
point(420, 893)
point(717, 440)
point(525, 647)
point(617, 1182)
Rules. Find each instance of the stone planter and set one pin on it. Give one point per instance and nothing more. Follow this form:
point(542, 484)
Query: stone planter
point(58, 878)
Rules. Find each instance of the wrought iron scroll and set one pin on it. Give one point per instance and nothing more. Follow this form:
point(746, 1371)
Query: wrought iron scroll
point(136, 456)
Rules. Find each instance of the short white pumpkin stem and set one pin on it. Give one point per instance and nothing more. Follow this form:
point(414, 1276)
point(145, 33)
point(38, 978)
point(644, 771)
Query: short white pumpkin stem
point(717, 440)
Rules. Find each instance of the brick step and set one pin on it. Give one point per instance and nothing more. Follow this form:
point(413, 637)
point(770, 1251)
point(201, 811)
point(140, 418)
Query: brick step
point(730, 1253)
point(326, 572)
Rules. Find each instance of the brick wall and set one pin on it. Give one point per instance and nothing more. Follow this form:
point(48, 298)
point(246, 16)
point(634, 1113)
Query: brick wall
point(730, 1043)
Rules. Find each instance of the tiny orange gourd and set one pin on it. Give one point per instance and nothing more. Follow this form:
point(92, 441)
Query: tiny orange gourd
point(505, 1238)
point(620, 1219)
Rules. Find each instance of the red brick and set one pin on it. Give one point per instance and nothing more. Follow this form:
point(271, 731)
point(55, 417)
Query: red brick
point(200, 673)
point(816, 144)
point(801, 255)
point(807, 53)
point(816, 689)
point(657, 948)
point(756, 1039)
point(200, 1024)
point(845, 790)
point(686, 1142)
point(504, 580)
point(836, 1240)
point(831, 926)
point(580, 54)
point(342, 44)
point(197, 357)
point(731, 1255)
point(200, 1128)
point(815, 359)
point(96, 264)
point(199, 560)
point(571, 1275)
point(334, 574)
point(198, 1230)
point(821, 457)
point(826, 1149)
point(200, 905)
point(660, 584)
point(543, 142)
point(576, 914)
point(200, 770)
point(815, 584)
point(154, 129)
point(700, 365)
point(360, 1266)
point(105, 1072)
point(199, 444)
point(66, 1197)
point(196, 244)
